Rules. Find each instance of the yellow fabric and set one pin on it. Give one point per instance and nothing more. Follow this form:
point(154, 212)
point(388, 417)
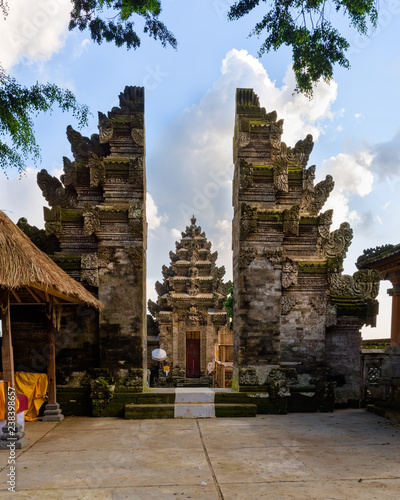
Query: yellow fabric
point(3, 402)
point(34, 386)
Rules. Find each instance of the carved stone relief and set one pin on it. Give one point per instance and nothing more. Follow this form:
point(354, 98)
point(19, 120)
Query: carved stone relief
point(291, 221)
point(289, 273)
point(313, 200)
point(54, 192)
point(246, 174)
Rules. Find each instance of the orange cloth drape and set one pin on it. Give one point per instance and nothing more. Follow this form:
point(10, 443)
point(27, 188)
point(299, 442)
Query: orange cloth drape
point(34, 386)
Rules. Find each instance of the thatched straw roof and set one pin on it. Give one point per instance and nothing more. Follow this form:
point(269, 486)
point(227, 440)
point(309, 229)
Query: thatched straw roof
point(24, 266)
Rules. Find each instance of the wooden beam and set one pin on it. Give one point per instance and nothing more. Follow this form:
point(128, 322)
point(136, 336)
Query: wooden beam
point(15, 295)
point(38, 299)
point(51, 352)
point(56, 293)
point(7, 349)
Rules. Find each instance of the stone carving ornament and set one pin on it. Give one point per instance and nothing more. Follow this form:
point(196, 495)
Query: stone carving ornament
point(248, 219)
point(55, 193)
point(338, 242)
point(325, 221)
point(136, 166)
point(105, 128)
point(300, 154)
point(90, 269)
point(313, 200)
point(291, 221)
point(97, 171)
point(91, 220)
point(308, 178)
point(246, 256)
point(281, 179)
point(246, 174)
point(287, 304)
point(289, 273)
point(364, 284)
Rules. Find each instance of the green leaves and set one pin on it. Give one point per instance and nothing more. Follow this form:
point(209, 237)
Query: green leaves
point(86, 14)
point(17, 105)
point(303, 24)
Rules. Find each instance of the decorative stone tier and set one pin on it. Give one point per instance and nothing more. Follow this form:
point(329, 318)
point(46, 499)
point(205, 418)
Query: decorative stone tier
point(97, 225)
point(189, 308)
point(292, 304)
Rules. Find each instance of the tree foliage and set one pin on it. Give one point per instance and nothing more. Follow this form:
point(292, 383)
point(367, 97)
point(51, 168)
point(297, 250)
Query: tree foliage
point(18, 104)
point(228, 304)
point(306, 27)
point(90, 14)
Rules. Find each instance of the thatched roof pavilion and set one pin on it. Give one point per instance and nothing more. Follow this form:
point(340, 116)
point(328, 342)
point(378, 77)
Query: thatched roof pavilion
point(29, 277)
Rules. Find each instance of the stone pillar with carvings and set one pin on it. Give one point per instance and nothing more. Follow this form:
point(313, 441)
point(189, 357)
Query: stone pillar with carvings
point(98, 215)
point(287, 264)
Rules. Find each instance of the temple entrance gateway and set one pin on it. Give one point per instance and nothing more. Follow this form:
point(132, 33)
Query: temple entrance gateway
point(192, 354)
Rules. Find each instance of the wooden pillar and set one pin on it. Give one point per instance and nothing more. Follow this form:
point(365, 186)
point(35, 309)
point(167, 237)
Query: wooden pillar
point(11, 434)
point(52, 413)
point(51, 353)
point(395, 326)
point(7, 349)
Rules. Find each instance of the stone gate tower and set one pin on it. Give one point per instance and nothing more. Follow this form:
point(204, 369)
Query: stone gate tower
point(98, 216)
point(189, 307)
point(297, 319)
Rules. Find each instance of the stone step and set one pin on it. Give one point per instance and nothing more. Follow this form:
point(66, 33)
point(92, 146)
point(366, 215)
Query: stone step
point(147, 411)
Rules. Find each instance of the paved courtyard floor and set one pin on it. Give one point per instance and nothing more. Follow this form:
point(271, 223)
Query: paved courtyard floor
point(348, 454)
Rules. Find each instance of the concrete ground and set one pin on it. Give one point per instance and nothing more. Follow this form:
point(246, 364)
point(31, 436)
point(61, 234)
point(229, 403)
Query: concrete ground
point(348, 454)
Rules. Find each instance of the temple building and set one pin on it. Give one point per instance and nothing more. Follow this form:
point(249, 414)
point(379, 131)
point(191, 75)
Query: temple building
point(189, 308)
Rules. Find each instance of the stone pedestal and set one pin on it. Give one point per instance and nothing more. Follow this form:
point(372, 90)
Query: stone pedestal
point(12, 437)
point(53, 413)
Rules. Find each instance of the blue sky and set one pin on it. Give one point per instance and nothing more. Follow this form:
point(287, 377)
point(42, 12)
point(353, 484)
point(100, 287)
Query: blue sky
point(190, 115)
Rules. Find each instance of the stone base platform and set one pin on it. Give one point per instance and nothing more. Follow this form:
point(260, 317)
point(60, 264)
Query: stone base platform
point(190, 403)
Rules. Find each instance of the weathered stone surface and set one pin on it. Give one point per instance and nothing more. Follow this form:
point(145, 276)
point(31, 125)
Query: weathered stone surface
point(98, 217)
point(189, 306)
point(287, 269)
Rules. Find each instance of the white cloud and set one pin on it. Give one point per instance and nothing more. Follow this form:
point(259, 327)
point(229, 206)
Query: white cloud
point(81, 48)
point(154, 220)
point(33, 30)
point(352, 176)
point(194, 154)
point(175, 233)
point(21, 197)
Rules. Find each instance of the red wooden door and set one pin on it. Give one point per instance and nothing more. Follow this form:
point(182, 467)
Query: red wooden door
point(192, 358)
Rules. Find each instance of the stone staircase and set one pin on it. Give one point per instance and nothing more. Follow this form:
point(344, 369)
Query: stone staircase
point(187, 403)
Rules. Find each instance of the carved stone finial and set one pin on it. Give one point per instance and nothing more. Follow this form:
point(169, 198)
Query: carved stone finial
point(193, 220)
point(82, 147)
point(338, 243)
point(105, 128)
point(54, 192)
point(300, 154)
point(325, 221)
point(314, 200)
